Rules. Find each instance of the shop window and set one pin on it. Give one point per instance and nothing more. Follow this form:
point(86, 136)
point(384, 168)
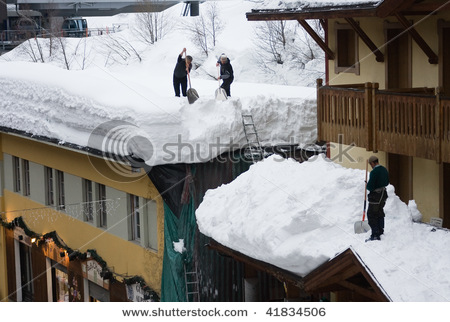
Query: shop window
point(101, 210)
point(16, 173)
point(98, 293)
point(60, 190)
point(49, 192)
point(60, 283)
point(87, 200)
point(26, 177)
point(347, 60)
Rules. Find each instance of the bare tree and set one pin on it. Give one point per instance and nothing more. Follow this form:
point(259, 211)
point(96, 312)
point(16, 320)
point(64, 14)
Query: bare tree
point(271, 39)
point(63, 47)
point(205, 28)
point(278, 41)
point(151, 26)
point(119, 49)
point(215, 24)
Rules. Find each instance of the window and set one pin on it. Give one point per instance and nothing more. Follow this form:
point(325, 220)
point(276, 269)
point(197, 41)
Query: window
point(49, 192)
point(60, 286)
point(101, 210)
point(16, 174)
point(60, 190)
point(135, 218)
point(347, 60)
point(87, 199)
point(26, 177)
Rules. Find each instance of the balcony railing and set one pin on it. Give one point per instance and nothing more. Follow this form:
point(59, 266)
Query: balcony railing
point(412, 122)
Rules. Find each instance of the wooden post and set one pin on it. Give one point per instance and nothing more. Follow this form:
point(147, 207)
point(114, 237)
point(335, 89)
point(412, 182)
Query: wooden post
point(319, 109)
point(438, 126)
point(368, 115)
point(375, 124)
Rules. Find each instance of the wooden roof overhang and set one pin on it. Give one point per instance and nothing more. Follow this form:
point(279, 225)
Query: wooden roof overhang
point(396, 8)
point(279, 273)
point(345, 272)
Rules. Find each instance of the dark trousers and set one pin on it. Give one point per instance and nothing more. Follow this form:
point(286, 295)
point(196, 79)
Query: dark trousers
point(375, 213)
point(180, 82)
point(226, 83)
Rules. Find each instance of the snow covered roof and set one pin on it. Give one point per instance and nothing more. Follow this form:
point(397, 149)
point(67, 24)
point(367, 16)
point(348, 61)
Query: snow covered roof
point(108, 96)
point(301, 5)
point(298, 216)
point(72, 106)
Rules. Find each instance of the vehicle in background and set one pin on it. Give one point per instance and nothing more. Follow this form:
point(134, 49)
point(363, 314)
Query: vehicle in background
point(75, 27)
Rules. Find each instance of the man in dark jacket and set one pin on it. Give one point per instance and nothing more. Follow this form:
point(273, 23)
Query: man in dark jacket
point(182, 68)
point(378, 180)
point(226, 73)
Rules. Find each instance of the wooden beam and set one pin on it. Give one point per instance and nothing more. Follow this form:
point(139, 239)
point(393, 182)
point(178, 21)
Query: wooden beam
point(378, 54)
point(263, 15)
point(317, 38)
point(345, 274)
point(428, 7)
point(360, 290)
point(390, 7)
point(432, 57)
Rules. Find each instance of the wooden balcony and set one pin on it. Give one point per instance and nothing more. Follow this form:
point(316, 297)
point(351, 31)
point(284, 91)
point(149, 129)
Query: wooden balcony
point(412, 122)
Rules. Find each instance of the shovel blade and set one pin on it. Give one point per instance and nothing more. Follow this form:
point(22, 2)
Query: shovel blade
point(192, 95)
point(361, 227)
point(221, 95)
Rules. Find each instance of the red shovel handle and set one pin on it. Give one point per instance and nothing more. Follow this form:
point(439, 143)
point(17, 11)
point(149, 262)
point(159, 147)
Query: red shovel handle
point(365, 192)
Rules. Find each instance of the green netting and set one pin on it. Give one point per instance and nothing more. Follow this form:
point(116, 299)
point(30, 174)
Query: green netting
point(173, 284)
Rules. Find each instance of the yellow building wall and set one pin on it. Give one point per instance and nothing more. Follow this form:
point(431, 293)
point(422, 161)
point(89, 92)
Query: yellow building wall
point(425, 175)
point(424, 74)
point(426, 187)
point(352, 156)
point(3, 276)
point(122, 256)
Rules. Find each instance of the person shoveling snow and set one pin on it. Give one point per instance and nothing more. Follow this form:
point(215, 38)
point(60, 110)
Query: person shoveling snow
point(226, 73)
point(378, 181)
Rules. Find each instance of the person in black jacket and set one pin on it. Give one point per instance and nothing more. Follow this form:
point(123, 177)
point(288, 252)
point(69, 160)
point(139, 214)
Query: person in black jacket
point(226, 73)
point(379, 179)
point(182, 68)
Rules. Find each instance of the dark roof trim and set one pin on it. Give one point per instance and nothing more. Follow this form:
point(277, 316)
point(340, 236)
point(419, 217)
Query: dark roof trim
point(368, 9)
point(279, 273)
point(67, 145)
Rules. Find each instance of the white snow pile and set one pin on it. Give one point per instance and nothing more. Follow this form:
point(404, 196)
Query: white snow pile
point(308, 4)
point(45, 100)
point(299, 215)
point(117, 95)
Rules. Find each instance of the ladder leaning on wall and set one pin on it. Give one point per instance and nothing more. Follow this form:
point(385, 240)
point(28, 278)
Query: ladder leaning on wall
point(192, 286)
point(254, 150)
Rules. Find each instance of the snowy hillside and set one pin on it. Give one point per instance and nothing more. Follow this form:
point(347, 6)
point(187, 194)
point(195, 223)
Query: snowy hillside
point(119, 77)
point(300, 215)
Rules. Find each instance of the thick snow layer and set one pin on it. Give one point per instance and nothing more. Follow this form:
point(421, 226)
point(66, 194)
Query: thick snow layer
point(134, 90)
point(69, 105)
point(299, 215)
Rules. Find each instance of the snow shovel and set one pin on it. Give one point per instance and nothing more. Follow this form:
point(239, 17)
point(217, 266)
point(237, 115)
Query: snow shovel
point(363, 226)
point(191, 93)
point(221, 94)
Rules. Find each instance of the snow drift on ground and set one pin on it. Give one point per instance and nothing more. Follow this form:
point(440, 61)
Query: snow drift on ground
point(299, 215)
point(136, 93)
